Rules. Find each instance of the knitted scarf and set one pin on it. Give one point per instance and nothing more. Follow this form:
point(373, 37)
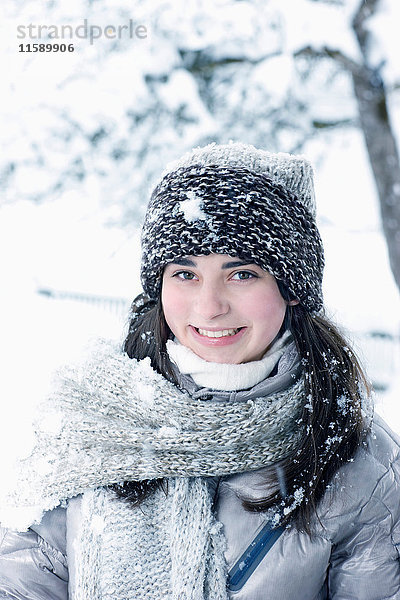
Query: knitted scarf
point(112, 419)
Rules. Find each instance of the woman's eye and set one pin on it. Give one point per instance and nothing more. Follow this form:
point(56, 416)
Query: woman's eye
point(241, 275)
point(187, 275)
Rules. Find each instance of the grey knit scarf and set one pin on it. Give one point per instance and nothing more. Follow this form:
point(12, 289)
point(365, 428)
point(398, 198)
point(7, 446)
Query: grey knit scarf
point(113, 419)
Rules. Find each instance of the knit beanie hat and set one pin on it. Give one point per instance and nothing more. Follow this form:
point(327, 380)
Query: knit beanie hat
point(235, 199)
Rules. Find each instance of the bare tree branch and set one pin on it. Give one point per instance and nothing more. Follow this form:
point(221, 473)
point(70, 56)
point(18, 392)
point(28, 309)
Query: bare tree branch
point(365, 10)
point(348, 63)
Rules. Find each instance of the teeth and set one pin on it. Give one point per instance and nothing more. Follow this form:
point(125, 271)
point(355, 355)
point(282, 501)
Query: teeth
point(217, 334)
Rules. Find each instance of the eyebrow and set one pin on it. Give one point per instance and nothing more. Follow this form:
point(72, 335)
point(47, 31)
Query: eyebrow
point(183, 262)
point(235, 263)
point(187, 262)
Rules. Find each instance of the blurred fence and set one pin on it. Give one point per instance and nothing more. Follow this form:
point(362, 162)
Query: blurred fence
point(379, 351)
point(119, 307)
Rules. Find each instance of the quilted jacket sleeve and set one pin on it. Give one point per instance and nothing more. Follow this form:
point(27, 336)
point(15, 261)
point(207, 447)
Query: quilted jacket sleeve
point(33, 565)
point(365, 563)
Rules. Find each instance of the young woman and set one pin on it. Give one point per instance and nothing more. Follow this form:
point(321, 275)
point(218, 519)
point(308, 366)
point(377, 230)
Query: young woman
point(229, 450)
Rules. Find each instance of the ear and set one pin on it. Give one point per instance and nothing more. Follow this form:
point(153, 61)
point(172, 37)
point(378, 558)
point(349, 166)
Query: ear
point(293, 302)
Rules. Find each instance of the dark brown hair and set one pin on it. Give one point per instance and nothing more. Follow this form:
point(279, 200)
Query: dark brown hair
point(332, 415)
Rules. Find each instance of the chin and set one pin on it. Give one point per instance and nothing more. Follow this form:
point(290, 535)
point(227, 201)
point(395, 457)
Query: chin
point(217, 357)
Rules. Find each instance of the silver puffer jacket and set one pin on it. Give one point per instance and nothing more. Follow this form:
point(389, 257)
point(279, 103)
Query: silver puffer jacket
point(353, 554)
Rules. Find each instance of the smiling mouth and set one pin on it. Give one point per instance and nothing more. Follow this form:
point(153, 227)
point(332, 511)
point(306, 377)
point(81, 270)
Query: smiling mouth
point(218, 334)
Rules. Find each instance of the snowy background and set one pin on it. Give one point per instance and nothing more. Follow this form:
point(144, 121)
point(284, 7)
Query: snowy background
point(85, 134)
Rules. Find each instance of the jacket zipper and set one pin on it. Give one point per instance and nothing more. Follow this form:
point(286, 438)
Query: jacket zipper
point(252, 556)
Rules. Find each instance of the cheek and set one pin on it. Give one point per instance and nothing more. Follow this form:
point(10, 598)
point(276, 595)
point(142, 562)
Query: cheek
point(173, 304)
point(267, 310)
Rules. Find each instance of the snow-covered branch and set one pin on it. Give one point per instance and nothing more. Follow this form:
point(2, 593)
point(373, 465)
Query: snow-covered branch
point(325, 52)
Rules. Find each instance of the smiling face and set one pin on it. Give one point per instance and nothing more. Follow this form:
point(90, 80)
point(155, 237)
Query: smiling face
point(223, 309)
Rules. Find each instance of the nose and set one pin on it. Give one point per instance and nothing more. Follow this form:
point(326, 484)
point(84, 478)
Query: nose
point(211, 301)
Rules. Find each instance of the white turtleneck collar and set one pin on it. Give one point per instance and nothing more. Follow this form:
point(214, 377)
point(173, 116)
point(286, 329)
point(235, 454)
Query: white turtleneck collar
point(222, 376)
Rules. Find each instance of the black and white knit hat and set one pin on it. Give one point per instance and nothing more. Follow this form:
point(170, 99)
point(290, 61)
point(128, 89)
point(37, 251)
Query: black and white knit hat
point(235, 199)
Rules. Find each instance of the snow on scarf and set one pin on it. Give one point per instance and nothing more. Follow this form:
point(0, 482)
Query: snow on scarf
point(113, 419)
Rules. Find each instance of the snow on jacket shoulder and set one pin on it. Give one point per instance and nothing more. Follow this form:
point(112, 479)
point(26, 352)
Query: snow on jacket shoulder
point(354, 554)
point(365, 525)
